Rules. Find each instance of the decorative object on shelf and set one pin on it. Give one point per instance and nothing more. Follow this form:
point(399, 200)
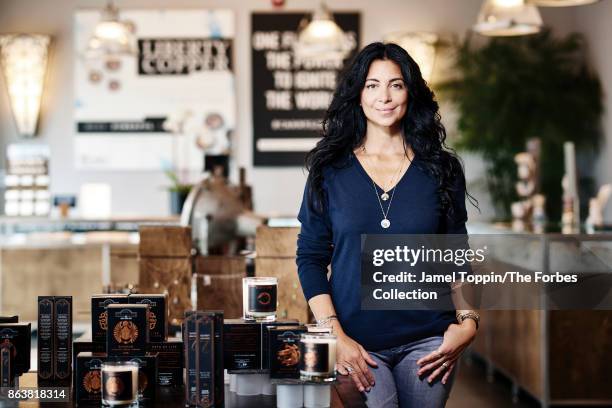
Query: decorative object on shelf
point(538, 214)
point(562, 3)
point(570, 218)
point(23, 58)
point(321, 38)
point(526, 186)
point(111, 36)
point(420, 45)
point(596, 206)
point(503, 18)
point(503, 94)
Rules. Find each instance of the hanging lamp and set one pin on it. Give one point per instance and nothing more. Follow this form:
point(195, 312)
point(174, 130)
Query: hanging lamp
point(508, 18)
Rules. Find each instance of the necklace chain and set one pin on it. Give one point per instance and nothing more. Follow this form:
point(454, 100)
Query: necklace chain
point(385, 223)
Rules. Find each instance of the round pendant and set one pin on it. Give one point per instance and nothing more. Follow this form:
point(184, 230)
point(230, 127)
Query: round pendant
point(385, 223)
point(384, 196)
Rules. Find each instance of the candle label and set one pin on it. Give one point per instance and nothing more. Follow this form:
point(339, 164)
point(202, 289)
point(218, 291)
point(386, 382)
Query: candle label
point(87, 377)
point(284, 351)
point(117, 386)
point(63, 337)
point(18, 337)
point(127, 329)
point(6, 367)
point(99, 315)
point(157, 316)
point(45, 337)
point(170, 361)
point(262, 298)
point(314, 358)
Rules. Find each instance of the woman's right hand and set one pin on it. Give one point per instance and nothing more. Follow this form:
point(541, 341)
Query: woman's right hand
point(352, 359)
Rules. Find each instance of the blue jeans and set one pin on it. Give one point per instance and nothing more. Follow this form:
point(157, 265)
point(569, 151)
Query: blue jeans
point(396, 381)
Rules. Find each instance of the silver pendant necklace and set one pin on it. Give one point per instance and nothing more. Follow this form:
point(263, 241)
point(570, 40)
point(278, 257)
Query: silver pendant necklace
point(385, 223)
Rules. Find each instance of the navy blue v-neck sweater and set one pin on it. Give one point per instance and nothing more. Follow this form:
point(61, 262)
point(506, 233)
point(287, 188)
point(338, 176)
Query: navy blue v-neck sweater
point(334, 236)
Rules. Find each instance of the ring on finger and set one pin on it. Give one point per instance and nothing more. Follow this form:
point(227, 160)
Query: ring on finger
point(445, 365)
point(349, 369)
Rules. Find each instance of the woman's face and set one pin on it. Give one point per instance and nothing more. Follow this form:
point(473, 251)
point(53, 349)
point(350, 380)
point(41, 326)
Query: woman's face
point(384, 97)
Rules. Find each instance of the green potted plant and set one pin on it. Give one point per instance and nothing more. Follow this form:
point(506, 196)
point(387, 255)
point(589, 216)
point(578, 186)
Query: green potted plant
point(178, 192)
point(516, 88)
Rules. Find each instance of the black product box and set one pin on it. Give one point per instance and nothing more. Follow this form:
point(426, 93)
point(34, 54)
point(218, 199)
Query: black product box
point(99, 316)
point(284, 351)
point(62, 324)
point(7, 373)
point(265, 342)
point(128, 330)
point(45, 339)
point(147, 375)
point(158, 314)
point(169, 362)
point(88, 378)
point(199, 333)
point(9, 319)
point(219, 380)
point(17, 335)
point(84, 346)
point(243, 343)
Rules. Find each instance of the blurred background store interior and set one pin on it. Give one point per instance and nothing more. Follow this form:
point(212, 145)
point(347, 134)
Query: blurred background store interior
point(180, 133)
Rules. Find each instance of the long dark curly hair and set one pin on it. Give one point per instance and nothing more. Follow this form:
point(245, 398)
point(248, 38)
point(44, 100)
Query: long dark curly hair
point(344, 127)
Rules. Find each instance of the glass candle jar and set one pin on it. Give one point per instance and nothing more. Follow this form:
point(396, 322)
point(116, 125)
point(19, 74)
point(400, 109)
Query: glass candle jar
point(119, 383)
point(317, 357)
point(259, 298)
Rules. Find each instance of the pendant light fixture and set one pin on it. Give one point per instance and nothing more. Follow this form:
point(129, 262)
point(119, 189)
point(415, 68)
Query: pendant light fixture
point(111, 36)
point(562, 3)
point(321, 38)
point(508, 18)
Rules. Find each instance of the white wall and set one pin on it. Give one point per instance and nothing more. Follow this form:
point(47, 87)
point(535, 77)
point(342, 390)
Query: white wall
point(277, 190)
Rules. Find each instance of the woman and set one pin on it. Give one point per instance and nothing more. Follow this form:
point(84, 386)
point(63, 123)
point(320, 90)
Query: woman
point(382, 167)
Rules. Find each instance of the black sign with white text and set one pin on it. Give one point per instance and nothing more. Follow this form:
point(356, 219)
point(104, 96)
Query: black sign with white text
point(291, 95)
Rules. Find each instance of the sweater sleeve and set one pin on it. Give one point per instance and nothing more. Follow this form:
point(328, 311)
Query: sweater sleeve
point(314, 249)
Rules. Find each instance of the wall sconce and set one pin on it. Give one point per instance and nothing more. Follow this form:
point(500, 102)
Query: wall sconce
point(23, 58)
point(420, 45)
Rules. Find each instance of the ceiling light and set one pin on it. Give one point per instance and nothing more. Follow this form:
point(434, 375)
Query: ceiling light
point(321, 38)
point(508, 18)
point(562, 3)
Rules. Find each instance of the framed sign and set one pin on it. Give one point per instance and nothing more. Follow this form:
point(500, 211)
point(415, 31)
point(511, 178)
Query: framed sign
point(164, 106)
point(290, 95)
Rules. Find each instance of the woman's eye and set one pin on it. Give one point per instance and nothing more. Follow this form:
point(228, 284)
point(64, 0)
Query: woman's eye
point(398, 86)
point(370, 86)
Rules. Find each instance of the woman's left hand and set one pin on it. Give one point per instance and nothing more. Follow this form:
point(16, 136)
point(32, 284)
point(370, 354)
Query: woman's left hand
point(456, 338)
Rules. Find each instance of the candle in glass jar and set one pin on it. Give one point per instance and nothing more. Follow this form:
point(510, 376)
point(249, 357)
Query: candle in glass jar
point(119, 383)
point(259, 298)
point(317, 357)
